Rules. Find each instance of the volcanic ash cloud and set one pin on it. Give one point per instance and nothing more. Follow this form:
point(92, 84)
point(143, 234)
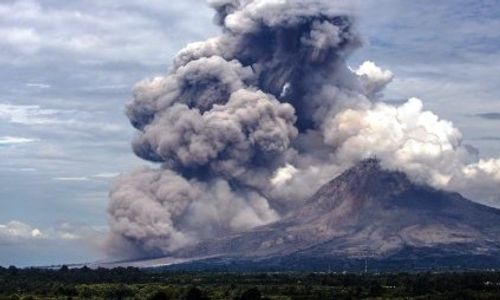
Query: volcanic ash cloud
point(249, 124)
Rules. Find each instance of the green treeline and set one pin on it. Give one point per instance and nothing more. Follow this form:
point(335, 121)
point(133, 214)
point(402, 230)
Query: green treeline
point(132, 283)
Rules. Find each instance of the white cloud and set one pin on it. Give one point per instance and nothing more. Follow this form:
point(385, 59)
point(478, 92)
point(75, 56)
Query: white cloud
point(94, 31)
point(374, 79)
point(98, 176)
point(38, 85)
point(418, 142)
point(26, 40)
point(29, 114)
point(105, 175)
point(16, 232)
point(71, 178)
point(12, 140)
point(283, 175)
point(36, 115)
point(27, 170)
point(69, 236)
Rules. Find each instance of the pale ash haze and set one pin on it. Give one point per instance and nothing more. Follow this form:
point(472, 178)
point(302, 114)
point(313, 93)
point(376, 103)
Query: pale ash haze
point(248, 125)
point(67, 69)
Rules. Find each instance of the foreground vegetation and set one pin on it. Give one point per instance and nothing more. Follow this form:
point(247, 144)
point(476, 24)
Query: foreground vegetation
point(133, 283)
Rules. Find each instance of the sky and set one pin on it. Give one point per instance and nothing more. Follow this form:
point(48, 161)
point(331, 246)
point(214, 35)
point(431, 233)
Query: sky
point(67, 68)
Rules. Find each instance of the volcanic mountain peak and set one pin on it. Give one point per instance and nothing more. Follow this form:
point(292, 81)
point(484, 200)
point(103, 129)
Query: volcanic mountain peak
point(366, 212)
point(368, 175)
point(365, 186)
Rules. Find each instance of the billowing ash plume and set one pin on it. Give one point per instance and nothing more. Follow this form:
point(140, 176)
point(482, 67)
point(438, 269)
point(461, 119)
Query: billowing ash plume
point(249, 124)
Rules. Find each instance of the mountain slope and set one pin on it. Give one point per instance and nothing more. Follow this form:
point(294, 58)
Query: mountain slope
point(365, 213)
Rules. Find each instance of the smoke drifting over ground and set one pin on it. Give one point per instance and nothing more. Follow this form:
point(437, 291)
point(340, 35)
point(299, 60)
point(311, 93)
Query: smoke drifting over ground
point(249, 124)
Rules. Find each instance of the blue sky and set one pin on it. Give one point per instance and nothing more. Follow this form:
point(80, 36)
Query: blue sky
point(67, 69)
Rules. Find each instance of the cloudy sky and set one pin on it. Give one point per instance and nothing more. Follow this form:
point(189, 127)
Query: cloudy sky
point(67, 69)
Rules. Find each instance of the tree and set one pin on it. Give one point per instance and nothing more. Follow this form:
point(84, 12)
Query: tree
point(64, 269)
point(159, 295)
point(13, 270)
point(194, 293)
point(251, 294)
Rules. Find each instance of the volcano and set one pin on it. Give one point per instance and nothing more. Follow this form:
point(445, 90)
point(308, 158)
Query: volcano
point(367, 215)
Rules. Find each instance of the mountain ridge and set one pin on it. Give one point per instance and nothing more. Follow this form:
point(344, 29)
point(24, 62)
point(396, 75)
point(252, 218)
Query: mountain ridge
point(365, 213)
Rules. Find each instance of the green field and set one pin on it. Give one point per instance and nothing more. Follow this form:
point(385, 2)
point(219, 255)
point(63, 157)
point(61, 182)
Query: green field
point(132, 283)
